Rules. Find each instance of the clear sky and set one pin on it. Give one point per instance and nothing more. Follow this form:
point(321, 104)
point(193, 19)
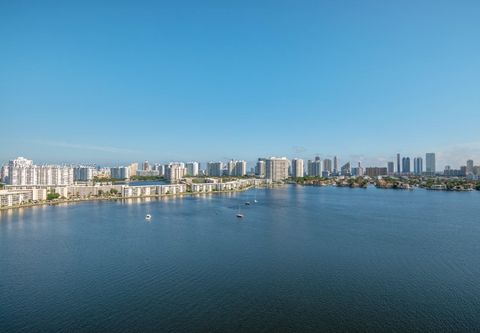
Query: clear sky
point(112, 82)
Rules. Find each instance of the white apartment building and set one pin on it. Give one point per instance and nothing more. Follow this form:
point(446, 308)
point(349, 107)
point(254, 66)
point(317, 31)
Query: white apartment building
point(23, 172)
point(120, 172)
point(83, 173)
point(9, 198)
point(260, 168)
point(276, 168)
point(214, 169)
point(175, 171)
point(192, 169)
point(297, 168)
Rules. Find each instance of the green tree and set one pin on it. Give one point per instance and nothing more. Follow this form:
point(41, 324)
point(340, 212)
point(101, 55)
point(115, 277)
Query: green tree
point(52, 196)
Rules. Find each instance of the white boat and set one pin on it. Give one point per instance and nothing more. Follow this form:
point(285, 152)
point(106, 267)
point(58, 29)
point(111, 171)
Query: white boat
point(239, 215)
point(148, 217)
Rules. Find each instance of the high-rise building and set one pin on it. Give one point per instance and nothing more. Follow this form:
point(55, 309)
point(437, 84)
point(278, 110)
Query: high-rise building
point(358, 171)
point(4, 174)
point(192, 169)
point(406, 165)
point(297, 168)
point(236, 168)
point(476, 170)
point(160, 168)
point(260, 168)
point(175, 171)
point(133, 168)
point(346, 169)
point(418, 165)
point(231, 168)
point(23, 172)
point(469, 169)
point(430, 163)
point(335, 165)
point(276, 168)
point(240, 168)
point(120, 172)
point(399, 170)
point(145, 166)
point(375, 172)
point(83, 173)
point(390, 168)
point(327, 165)
point(214, 169)
point(314, 168)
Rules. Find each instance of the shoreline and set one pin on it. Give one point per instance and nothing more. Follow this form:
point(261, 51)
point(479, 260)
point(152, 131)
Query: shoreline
point(72, 201)
point(79, 200)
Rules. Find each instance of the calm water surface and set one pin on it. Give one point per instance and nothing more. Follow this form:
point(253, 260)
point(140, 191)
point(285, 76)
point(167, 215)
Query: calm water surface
point(302, 259)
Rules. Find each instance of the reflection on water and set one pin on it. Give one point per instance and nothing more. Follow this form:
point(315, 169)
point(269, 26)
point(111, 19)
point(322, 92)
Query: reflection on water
point(302, 259)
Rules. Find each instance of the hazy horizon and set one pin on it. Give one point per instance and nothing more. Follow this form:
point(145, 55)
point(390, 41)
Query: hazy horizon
point(120, 82)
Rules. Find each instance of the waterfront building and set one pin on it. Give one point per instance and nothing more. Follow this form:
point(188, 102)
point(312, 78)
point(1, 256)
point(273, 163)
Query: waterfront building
point(260, 168)
point(9, 198)
point(297, 168)
point(430, 164)
point(406, 165)
point(375, 171)
point(346, 169)
point(83, 173)
point(418, 165)
point(390, 168)
point(214, 169)
point(276, 168)
point(192, 169)
point(23, 172)
point(327, 165)
point(120, 172)
point(314, 168)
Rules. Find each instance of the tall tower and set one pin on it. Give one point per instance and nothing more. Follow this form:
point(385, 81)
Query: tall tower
point(430, 163)
point(399, 170)
point(297, 168)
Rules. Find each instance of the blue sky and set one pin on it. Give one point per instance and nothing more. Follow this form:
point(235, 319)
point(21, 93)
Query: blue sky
point(112, 82)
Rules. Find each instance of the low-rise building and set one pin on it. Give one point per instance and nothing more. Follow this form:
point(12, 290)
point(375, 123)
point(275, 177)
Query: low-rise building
point(9, 198)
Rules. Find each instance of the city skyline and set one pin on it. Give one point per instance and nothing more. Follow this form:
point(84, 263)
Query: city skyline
point(117, 83)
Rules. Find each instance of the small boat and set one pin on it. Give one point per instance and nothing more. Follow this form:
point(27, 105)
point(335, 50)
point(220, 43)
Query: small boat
point(239, 215)
point(148, 217)
point(247, 203)
point(255, 201)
